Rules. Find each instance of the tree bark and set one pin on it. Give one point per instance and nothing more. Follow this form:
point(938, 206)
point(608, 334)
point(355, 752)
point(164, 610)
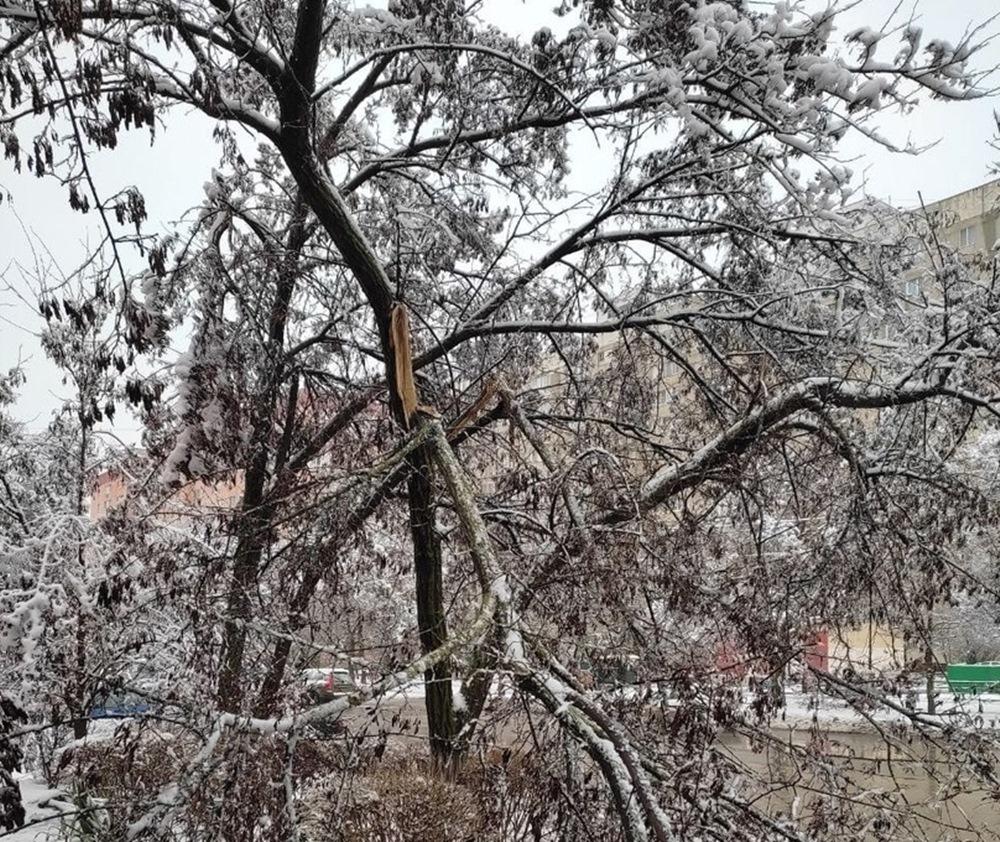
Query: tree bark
point(431, 621)
point(253, 534)
point(929, 666)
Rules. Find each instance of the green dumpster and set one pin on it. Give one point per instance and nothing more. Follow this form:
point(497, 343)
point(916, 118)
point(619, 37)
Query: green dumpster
point(974, 678)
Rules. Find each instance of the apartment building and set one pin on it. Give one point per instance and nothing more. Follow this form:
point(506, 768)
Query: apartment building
point(222, 493)
point(967, 221)
point(964, 225)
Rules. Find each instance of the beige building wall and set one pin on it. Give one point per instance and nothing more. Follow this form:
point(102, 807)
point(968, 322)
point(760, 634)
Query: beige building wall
point(108, 491)
point(199, 496)
point(867, 647)
point(967, 221)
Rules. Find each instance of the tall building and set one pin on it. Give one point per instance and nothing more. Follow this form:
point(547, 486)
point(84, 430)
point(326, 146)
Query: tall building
point(967, 221)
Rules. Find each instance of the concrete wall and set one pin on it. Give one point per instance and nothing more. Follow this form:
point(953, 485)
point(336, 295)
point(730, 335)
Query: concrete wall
point(975, 211)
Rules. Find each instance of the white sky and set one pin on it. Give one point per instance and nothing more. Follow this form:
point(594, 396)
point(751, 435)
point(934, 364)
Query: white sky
point(40, 233)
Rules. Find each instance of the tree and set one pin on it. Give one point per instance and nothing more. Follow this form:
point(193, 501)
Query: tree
point(406, 243)
point(51, 579)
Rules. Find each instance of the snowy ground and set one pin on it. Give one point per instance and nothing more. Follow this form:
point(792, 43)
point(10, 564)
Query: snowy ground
point(803, 709)
point(42, 808)
point(828, 710)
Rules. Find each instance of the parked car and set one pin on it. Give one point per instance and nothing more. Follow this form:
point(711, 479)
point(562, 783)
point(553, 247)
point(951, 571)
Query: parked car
point(324, 684)
point(120, 706)
point(327, 683)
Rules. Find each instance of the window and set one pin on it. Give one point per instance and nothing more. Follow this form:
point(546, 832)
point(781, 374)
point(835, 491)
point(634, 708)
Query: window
point(911, 289)
point(967, 236)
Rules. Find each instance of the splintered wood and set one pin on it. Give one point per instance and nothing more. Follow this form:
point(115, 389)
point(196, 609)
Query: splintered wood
point(399, 339)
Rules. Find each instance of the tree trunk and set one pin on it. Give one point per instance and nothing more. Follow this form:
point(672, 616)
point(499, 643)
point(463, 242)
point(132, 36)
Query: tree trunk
point(929, 668)
point(80, 714)
point(319, 192)
point(256, 513)
point(80, 694)
point(431, 622)
point(249, 549)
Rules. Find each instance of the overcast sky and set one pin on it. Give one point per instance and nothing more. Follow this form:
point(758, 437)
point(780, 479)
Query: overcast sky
point(40, 234)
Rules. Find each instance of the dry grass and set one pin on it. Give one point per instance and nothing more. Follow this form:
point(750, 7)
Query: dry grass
point(502, 798)
point(342, 794)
